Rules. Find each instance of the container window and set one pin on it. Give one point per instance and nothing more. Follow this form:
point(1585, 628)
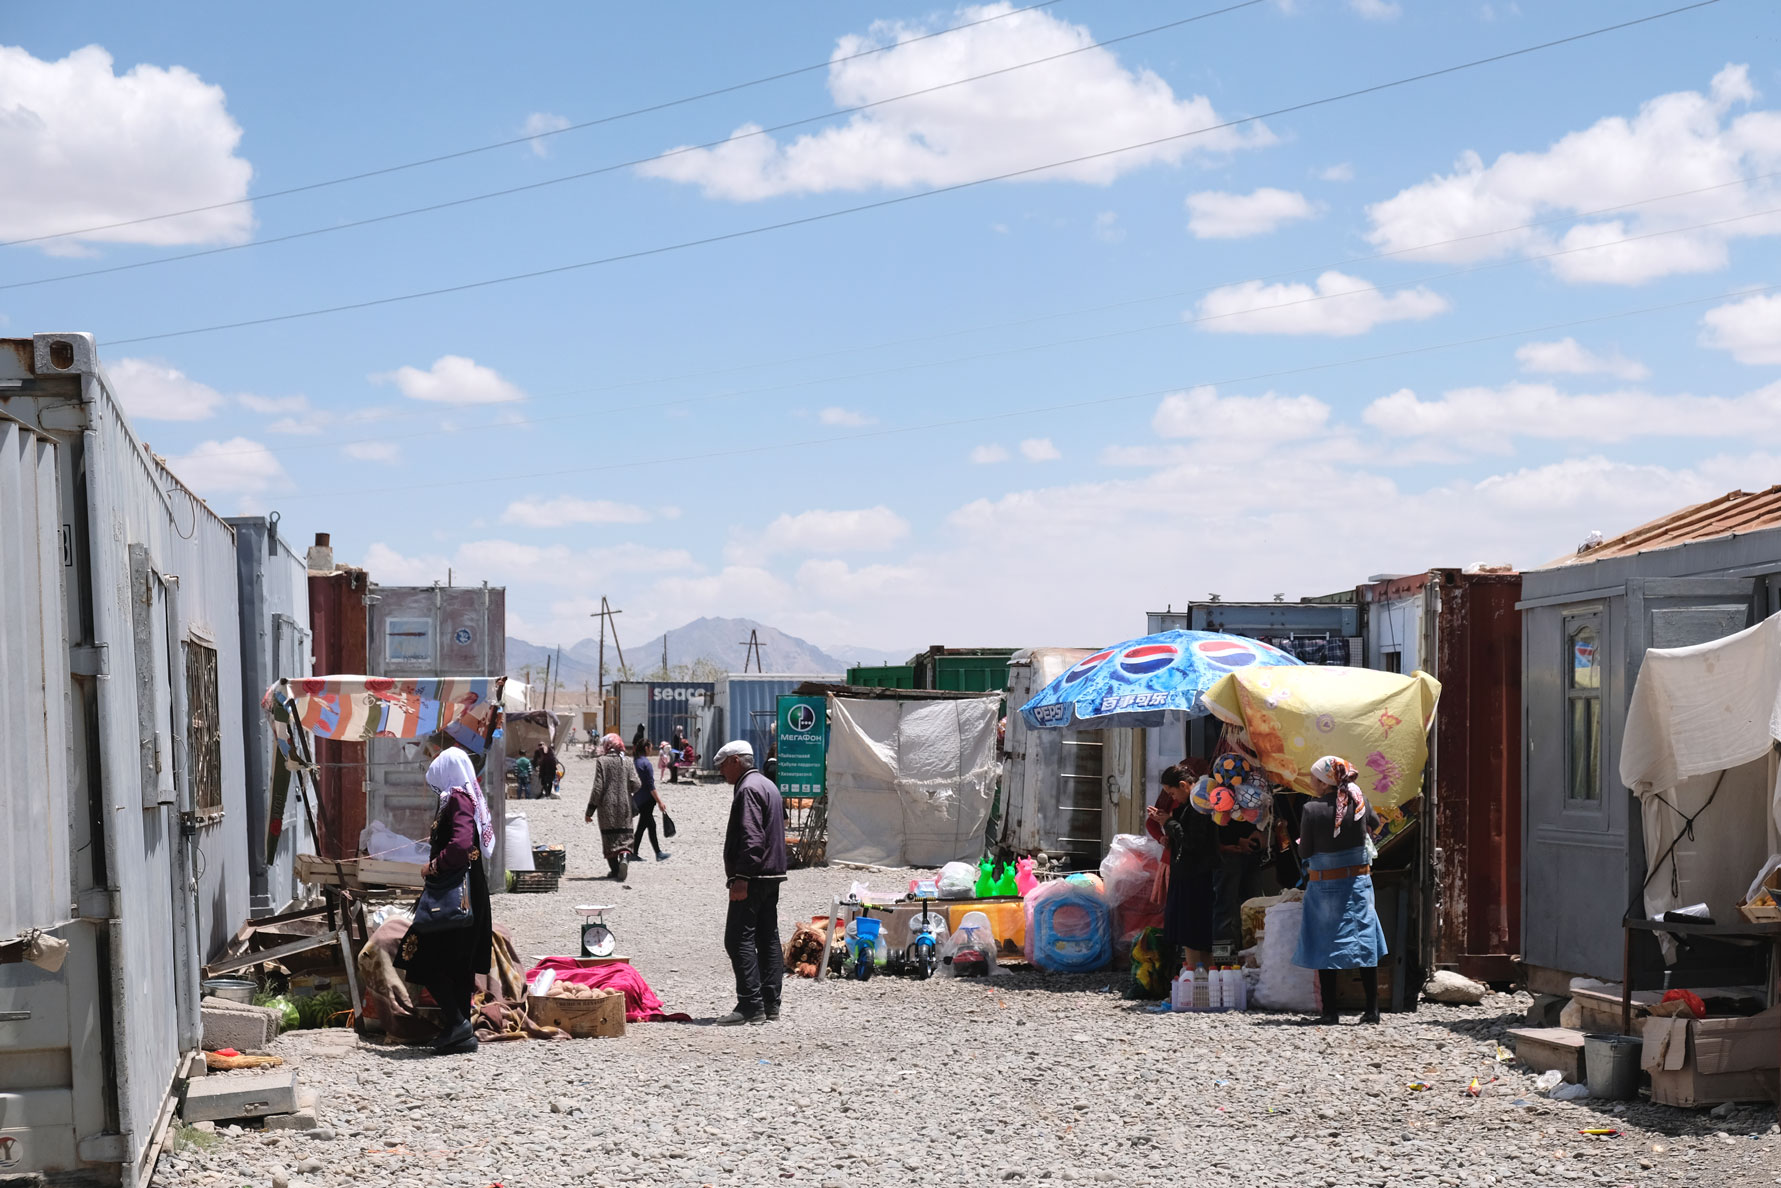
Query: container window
point(204, 736)
point(408, 641)
point(1394, 662)
point(1583, 707)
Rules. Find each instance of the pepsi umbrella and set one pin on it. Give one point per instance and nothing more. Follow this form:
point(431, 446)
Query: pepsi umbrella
point(1135, 683)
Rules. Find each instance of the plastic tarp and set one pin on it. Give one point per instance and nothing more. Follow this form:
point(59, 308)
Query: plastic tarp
point(1378, 721)
point(910, 782)
point(1698, 740)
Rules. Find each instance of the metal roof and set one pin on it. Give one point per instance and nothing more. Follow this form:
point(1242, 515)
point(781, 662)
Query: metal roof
point(1728, 515)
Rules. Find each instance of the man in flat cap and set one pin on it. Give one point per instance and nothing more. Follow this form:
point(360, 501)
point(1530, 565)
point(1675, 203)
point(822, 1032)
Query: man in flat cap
point(754, 866)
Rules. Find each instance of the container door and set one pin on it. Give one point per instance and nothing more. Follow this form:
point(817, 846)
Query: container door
point(1123, 807)
point(290, 659)
point(1077, 828)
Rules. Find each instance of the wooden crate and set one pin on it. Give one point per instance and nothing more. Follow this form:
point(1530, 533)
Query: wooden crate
point(358, 873)
point(1767, 913)
point(533, 882)
point(583, 1018)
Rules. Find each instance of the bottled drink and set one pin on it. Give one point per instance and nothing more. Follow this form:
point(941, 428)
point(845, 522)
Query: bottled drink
point(1181, 991)
point(1202, 989)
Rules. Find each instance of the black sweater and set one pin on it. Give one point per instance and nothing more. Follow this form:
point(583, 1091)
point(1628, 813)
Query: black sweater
point(1318, 833)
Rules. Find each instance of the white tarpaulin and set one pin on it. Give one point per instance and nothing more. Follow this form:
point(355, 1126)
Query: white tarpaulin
point(910, 782)
point(1700, 734)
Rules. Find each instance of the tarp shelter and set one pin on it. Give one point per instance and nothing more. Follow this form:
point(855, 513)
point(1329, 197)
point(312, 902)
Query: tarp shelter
point(1699, 753)
point(910, 781)
point(1378, 721)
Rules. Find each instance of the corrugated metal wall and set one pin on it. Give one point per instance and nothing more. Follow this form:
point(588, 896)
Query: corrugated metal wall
point(751, 705)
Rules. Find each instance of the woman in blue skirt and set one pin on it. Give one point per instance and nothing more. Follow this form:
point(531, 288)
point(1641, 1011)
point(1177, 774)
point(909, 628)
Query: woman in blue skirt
point(1341, 928)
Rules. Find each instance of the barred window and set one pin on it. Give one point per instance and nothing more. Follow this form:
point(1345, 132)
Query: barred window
point(204, 737)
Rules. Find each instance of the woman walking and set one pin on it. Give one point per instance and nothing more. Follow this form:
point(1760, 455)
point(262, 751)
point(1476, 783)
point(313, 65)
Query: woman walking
point(448, 961)
point(615, 783)
point(646, 800)
point(1340, 929)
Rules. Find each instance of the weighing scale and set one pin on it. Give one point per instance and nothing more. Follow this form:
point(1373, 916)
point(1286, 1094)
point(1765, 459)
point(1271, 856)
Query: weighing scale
point(596, 938)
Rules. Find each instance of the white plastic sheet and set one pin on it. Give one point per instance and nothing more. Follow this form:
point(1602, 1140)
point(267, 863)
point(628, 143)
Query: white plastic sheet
point(910, 782)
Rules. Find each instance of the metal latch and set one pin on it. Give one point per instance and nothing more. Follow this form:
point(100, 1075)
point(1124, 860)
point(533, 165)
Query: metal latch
point(14, 1016)
point(90, 660)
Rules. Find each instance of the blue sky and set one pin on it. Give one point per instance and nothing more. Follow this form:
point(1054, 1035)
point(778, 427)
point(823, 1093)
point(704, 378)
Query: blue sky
point(1372, 336)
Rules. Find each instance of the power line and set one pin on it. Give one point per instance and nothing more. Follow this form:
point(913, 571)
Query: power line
point(621, 165)
point(1173, 323)
point(901, 199)
point(532, 137)
point(1065, 406)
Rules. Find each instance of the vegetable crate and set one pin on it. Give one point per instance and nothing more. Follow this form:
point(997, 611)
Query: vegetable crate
point(533, 882)
point(550, 859)
point(582, 1011)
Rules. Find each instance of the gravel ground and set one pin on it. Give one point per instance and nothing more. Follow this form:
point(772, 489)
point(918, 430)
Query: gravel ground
point(1024, 1078)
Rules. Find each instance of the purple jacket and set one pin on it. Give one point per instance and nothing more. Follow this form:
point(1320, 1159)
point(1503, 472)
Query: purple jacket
point(754, 846)
point(454, 834)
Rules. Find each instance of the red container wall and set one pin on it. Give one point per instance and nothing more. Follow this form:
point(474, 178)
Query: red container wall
point(1478, 774)
point(337, 620)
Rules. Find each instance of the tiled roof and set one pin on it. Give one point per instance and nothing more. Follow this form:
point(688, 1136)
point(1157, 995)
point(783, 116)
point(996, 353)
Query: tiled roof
point(1731, 513)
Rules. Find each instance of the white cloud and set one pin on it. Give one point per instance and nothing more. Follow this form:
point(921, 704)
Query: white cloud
point(1039, 449)
point(1202, 412)
point(85, 147)
point(1076, 106)
point(568, 509)
point(541, 124)
point(151, 390)
point(1215, 214)
point(1339, 306)
point(1679, 142)
point(820, 531)
point(295, 414)
point(1569, 357)
point(453, 379)
point(507, 562)
point(1376, 10)
point(1341, 172)
point(1107, 228)
point(987, 455)
point(1489, 419)
point(836, 581)
point(372, 451)
point(1750, 329)
point(846, 418)
point(237, 466)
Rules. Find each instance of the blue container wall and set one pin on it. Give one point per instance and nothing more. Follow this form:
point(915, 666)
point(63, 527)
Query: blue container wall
point(754, 706)
point(675, 704)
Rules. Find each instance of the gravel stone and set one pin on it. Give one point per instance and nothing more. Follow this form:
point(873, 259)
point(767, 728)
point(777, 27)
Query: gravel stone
point(895, 1082)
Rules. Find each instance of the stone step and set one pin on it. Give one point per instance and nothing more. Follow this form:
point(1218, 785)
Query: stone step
point(1546, 1048)
point(216, 1098)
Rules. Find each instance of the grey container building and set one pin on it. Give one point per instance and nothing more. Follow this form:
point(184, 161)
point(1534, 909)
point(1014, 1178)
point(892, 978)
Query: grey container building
point(274, 591)
point(121, 763)
point(1691, 577)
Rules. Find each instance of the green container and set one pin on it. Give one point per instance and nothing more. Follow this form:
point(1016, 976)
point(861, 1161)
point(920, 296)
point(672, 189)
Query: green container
point(984, 671)
point(882, 676)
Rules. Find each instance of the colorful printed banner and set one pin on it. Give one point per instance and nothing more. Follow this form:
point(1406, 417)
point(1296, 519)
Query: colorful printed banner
point(1378, 721)
point(355, 708)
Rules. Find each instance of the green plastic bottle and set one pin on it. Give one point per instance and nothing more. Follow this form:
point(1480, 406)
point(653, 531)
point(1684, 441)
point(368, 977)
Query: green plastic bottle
point(986, 880)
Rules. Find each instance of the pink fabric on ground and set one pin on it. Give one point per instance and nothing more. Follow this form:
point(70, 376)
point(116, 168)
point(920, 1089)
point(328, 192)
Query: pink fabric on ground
point(641, 1004)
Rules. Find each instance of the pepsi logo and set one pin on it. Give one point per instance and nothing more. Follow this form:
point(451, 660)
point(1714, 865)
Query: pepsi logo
point(1228, 654)
point(1146, 659)
point(1085, 666)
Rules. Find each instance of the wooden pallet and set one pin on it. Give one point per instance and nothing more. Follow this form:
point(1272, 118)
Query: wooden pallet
point(357, 874)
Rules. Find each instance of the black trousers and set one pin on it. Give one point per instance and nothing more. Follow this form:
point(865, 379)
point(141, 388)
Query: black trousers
point(751, 937)
point(646, 823)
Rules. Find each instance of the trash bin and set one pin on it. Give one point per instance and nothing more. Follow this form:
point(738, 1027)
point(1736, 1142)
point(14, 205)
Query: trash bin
point(1611, 1063)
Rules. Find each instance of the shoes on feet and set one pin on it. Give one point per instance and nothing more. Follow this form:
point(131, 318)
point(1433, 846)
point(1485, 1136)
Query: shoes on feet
point(1372, 1016)
point(450, 1041)
point(738, 1018)
point(663, 856)
point(772, 1013)
point(469, 1045)
point(1328, 1019)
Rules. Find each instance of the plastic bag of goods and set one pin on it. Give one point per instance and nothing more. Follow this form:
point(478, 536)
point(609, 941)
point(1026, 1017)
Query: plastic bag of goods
point(519, 843)
point(1128, 875)
point(957, 879)
point(971, 949)
point(1284, 986)
point(1069, 928)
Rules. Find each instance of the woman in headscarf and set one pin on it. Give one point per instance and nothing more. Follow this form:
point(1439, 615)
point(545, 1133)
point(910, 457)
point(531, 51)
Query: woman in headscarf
point(448, 962)
point(615, 782)
point(1340, 928)
point(1190, 842)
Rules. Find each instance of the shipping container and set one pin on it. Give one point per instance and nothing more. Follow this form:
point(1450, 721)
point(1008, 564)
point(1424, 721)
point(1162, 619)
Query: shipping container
point(338, 607)
point(882, 676)
point(962, 670)
point(1317, 631)
point(274, 590)
point(1052, 780)
point(438, 631)
point(750, 707)
point(120, 640)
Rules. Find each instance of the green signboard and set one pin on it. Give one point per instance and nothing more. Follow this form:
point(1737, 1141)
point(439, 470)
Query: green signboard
point(803, 745)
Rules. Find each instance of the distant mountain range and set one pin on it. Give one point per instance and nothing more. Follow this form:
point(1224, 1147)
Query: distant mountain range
point(711, 645)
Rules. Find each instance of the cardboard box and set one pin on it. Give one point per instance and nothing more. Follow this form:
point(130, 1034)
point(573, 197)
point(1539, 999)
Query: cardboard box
point(1699, 1062)
point(583, 1018)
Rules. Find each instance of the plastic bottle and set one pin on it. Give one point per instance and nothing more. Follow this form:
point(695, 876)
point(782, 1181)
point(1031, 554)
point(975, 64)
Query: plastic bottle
point(1232, 983)
point(1221, 989)
point(1202, 989)
point(1242, 984)
point(1181, 990)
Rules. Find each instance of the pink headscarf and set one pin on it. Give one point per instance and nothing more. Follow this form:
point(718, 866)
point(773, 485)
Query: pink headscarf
point(451, 772)
point(612, 744)
point(1341, 774)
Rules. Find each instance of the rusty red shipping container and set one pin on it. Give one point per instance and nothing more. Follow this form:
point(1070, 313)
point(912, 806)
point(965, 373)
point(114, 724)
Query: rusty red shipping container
point(337, 619)
point(1478, 774)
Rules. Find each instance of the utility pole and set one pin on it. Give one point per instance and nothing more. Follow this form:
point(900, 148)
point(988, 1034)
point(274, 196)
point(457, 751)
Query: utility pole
point(550, 689)
point(664, 655)
point(754, 651)
point(604, 614)
point(544, 700)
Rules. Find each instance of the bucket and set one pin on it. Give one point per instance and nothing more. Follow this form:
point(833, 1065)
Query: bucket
point(1612, 1065)
point(232, 989)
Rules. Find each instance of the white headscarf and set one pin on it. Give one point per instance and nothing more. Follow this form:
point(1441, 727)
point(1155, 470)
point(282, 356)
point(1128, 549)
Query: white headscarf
point(452, 771)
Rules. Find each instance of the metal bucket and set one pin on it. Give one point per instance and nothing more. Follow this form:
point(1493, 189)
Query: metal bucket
point(232, 989)
point(1612, 1065)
